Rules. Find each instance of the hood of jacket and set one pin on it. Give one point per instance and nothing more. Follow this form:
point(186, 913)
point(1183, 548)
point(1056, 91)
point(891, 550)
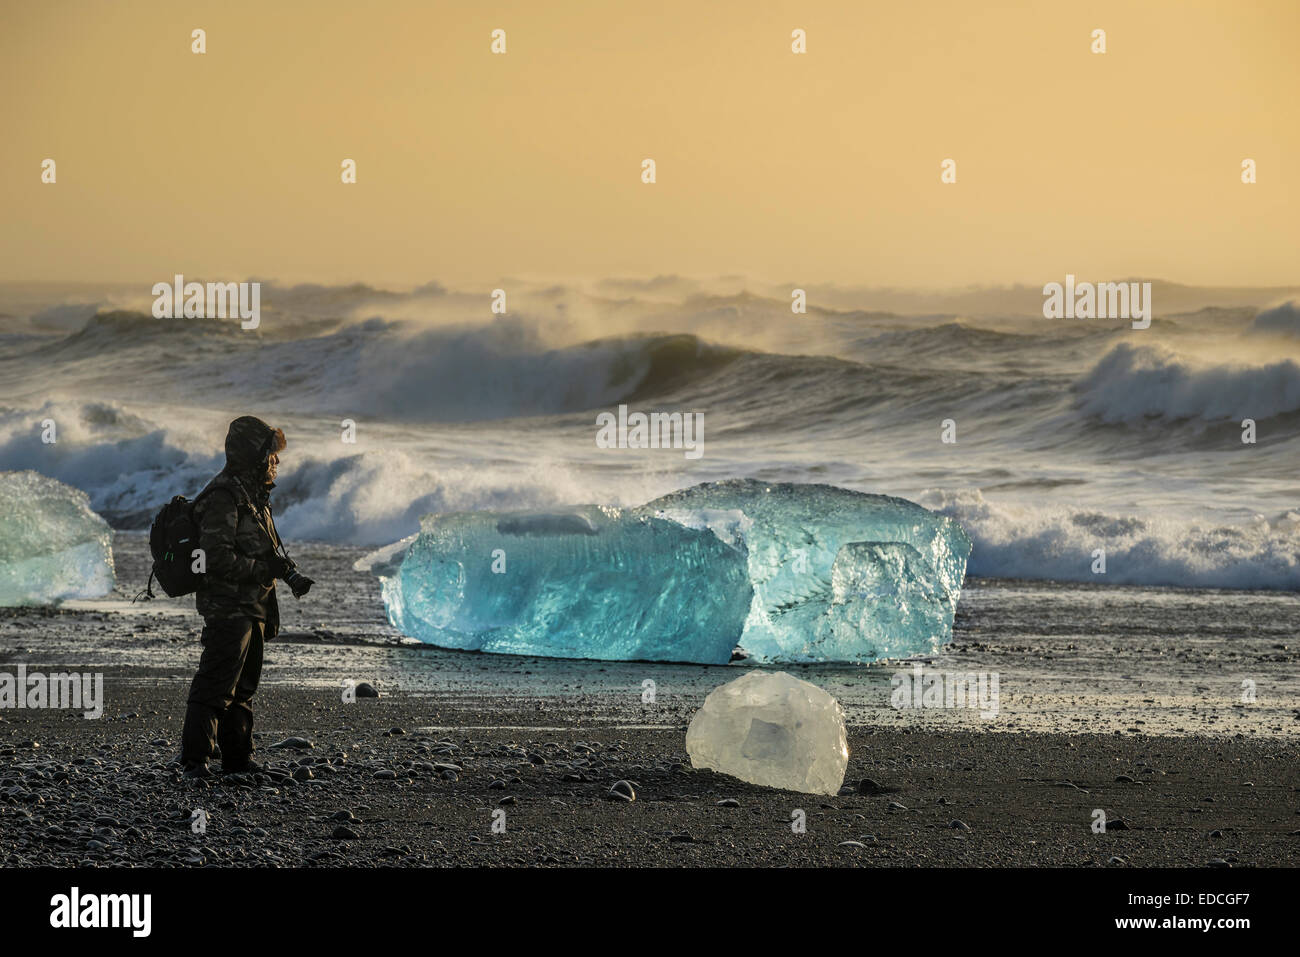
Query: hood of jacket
point(249, 443)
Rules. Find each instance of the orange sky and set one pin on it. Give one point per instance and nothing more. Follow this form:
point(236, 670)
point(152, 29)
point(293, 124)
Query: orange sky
point(821, 167)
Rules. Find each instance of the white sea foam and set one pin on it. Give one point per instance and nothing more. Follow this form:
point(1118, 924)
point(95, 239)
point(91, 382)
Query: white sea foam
point(1019, 541)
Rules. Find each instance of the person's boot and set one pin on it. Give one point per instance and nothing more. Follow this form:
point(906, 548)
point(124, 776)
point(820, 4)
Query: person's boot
point(235, 739)
point(198, 735)
point(247, 767)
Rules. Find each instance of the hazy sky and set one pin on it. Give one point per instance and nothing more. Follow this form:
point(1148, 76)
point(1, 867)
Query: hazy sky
point(815, 167)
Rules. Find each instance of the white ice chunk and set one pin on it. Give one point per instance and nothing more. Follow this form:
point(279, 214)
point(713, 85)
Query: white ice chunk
point(772, 729)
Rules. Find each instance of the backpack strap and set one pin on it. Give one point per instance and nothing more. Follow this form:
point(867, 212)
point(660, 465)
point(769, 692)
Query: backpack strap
point(147, 594)
point(234, 494)
point(206, 492)
point(243, 499)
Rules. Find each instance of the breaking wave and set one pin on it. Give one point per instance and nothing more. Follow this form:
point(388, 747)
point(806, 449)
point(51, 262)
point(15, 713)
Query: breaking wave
point(1280, 320)
point(1058, 543)
point(1132, 383)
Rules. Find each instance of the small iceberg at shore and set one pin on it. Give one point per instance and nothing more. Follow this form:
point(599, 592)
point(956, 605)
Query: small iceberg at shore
point(773, 729)
point(784, 572)
point(53, 546)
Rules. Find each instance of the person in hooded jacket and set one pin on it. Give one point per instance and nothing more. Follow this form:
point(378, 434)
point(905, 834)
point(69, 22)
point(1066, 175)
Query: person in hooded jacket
point(235, 596)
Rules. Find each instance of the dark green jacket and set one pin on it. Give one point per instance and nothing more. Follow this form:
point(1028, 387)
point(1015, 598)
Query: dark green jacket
point(237, 534)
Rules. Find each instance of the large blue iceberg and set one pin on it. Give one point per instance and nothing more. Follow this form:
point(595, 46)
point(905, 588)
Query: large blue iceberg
point(782, 572)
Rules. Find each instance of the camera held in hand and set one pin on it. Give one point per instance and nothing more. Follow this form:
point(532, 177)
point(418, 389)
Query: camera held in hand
point(298, 583)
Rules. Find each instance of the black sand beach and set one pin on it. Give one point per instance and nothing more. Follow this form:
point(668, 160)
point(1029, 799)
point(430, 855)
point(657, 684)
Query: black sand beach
point(1135, 711)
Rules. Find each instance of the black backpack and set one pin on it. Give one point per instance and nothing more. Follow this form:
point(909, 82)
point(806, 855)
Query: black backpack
point(172, 539)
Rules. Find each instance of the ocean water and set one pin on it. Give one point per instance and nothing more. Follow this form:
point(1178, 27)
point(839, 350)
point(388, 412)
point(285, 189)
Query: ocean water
point(1071, 435)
